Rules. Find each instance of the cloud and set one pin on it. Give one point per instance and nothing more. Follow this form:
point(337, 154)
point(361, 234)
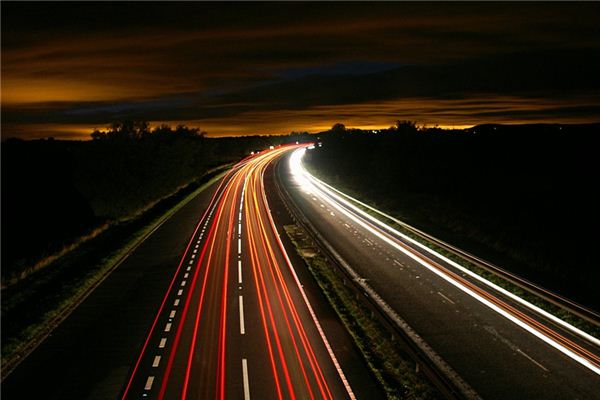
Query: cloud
point(208, 62)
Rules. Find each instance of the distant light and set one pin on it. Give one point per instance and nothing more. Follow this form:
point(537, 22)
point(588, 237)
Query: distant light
point(311, 147)
point(320, 144)
point(252, 153)
point(297, 142)
point(271, 147)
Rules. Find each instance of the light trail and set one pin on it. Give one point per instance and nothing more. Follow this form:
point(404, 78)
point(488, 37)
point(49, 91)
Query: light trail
point(334, 193)
point(199, 329)
point(285, 303)
point(313, 186)
point(211, 206)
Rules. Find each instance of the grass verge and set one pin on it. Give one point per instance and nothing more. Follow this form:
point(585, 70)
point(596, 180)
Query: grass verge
point(34, 306)
point(394, 370)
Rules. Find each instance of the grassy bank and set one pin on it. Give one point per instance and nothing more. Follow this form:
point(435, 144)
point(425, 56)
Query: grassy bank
point(393, 369)
point(32, 307)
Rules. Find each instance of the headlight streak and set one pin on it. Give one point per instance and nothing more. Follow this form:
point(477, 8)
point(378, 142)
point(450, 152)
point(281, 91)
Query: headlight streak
point(308, 183)
point(500, 289)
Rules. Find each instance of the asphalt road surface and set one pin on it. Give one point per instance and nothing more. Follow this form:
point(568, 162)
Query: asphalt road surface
point(221, 315)
point(235, 322)
point(499, 345)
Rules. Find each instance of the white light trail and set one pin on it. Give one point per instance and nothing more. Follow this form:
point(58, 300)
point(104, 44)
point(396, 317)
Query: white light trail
point(308, 183)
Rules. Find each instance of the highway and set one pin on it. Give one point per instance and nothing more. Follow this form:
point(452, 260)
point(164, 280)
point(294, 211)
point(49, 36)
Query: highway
point(195, 313)
point(501, 345)
point(235, 321)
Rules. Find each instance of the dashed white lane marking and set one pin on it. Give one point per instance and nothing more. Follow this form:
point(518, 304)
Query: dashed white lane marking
point(322, 206)
point(191, 262)
point(239, 271)
point(188, 268)
point(183, 283)
point(242, 325)
point(176, 302)
point(445, 297)
point(398, 263)
point(369, 242)
point(172, 315)
point(186, 275)
point(239, 245)
point(193, 256)
point(162, 343)
point(168, 327)
point(346, 225)
point(149, 383)
point(195, 250)
point(179, 292)
point(246, 381)
point(240, 229)
point(532, 360)
point(156, 361)
point(332, 214)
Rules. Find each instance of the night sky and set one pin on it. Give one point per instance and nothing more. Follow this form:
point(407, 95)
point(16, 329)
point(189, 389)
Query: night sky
point(265, 68)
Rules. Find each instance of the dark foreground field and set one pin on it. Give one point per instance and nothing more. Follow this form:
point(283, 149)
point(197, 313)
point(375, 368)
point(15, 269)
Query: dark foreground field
point(524, 197)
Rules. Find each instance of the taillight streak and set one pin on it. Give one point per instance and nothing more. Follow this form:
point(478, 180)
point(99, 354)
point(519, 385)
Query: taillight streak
point(170, 288)
point(210, 239)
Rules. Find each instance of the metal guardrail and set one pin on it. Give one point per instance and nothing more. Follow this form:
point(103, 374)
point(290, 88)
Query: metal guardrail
point(440, 374)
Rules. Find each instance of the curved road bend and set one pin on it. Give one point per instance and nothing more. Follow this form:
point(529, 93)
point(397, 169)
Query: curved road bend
point(501, 347)
point(235, 323)
point(233, 320)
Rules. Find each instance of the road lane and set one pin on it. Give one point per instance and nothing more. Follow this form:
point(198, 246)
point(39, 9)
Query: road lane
point(205, 347)
point(89, 355)
point(476, 342)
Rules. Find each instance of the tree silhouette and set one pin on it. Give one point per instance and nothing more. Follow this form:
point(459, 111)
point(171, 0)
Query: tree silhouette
point(338, 128)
